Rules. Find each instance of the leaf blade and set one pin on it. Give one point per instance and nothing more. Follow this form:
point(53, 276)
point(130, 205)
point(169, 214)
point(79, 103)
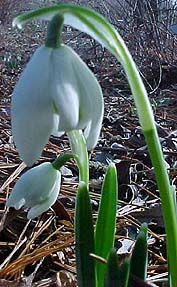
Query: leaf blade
point(138, 262)
point(84, 238)
point(116, 275)
point(106, 221)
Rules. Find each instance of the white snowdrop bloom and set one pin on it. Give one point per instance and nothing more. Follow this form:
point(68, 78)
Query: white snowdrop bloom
point(56, 93)
point(37, 190)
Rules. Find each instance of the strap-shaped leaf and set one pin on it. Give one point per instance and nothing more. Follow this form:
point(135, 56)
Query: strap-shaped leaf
point(116, 276)
point(138, 263)
point(84, 238)
point(105, 226)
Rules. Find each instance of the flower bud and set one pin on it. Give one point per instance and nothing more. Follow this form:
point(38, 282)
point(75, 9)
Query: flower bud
point(36, 190)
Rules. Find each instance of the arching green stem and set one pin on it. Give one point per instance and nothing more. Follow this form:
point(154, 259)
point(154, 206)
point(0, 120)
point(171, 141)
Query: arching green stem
point(61, 160)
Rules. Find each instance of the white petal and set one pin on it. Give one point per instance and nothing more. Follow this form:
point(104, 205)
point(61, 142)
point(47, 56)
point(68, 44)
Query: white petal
point(91, 101)
point(92, 132)
point(55, 129)
point(79, 98)
point(15, 200)
point(63, 88)
point(93, 128)
point(39, 182)
point(32, 111)
point(45, 205)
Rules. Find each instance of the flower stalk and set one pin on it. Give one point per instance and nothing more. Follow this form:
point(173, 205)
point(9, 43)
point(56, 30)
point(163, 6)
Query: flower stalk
point(55, 26)
point(79, 148)
point(61, 160)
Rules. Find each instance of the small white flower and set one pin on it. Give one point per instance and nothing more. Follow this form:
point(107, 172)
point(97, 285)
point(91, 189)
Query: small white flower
point(56, 93)
point(37, 190)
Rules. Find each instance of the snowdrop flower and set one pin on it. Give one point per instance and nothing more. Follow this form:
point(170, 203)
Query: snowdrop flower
point(37, 190)
point(56, 93)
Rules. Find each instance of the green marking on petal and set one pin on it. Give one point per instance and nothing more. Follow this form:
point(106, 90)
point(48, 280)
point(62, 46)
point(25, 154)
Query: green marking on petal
point(55, 108)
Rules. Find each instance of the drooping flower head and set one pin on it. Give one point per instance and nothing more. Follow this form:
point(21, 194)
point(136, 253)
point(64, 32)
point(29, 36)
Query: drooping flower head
point(56, 93)
point(36, 190)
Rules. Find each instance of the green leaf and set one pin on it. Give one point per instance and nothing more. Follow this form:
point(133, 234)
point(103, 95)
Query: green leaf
point(138, 263)
point(116, 276)
point(106, 221)
point(84, 238)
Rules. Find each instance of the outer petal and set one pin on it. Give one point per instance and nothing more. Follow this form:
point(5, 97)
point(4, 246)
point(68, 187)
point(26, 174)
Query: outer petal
point(77, 95)
point(40, 182)
point(32, 111)
point(47, 203)
point(90, 101)
point(92, 132)
point(63, 88)
point(16, 200)
point(55, 131)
